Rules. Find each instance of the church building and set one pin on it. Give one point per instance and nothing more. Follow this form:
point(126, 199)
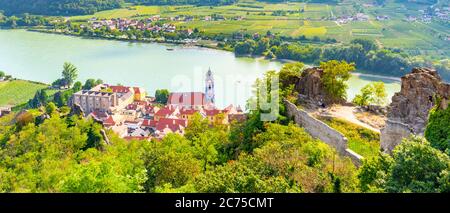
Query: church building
point(195, 100)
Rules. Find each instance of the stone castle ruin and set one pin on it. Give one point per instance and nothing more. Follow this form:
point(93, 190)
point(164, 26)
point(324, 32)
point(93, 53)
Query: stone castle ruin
point(409, 109)
point(311, 89)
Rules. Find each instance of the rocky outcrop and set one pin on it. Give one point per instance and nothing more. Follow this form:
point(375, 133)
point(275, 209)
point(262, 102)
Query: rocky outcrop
point(409, 109)
point(311, 88)
point(76, 109)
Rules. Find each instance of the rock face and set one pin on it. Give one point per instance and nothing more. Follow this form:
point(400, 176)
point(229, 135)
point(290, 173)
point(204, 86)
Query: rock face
point(408, 112)
point(76, 110)
point(311, 89)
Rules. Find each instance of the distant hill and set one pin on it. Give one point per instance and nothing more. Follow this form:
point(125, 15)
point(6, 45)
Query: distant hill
point(57, 7)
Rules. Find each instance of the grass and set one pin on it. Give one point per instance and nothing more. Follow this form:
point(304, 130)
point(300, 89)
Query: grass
point(17, 92)
point(310, 22)
point(361, 140)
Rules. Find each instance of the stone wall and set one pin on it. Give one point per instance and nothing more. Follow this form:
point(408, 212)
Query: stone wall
point(322, 131)
point(393, 135)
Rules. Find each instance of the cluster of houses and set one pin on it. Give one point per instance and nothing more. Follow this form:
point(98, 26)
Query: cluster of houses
point(347, 19)
point(133, 115)
point(123, 24)
point(432, 13)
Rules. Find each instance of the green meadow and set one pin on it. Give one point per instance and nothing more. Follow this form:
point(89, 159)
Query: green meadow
point(305, 19)
point(19, 91)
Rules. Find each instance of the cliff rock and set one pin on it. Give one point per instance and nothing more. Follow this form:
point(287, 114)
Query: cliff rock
point(408, 112)
point(311, 88)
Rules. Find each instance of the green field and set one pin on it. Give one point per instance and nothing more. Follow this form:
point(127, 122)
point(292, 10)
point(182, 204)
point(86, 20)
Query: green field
point(306, 19)
point(363, 141)
point(18, 91)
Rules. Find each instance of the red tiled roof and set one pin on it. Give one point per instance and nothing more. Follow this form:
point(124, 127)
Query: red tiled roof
point(187, 98)
point(149, 123)
point(109, 121)
point(150, 108)
point(137, 90)
point(182, 122)
point(99, 115)
point(119, 89)
point(141, 102)
point(164, 111)
point(212, 112)
point(132, 106)
point(173, 124)
point(188, 111)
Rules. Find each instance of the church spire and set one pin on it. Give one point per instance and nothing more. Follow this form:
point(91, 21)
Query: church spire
point(209, 87)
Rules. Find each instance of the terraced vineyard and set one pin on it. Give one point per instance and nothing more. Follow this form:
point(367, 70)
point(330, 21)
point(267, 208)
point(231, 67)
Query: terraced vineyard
point(307, 19)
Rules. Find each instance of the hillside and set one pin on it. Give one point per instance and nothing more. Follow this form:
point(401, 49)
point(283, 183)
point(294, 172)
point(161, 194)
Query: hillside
point(18, 91)
point(58, 7)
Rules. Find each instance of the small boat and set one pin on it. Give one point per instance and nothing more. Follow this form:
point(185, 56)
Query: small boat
point(170, 49)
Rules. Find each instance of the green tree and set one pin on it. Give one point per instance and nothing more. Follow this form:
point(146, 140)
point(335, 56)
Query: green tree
point(367, 44)
point(334, 78)
point(373, 93)
point(40, 99)
point(69, 73)
point(418, 167)
point(170, 162)
point(438, 129)
point(197, 125)
point(50, 108)
point(77, 86)
point(2, 74)
point(245, 47)
point(90, 83)
point(374, 173)
point(205, 148)
point(161, 96)
point(290, 73)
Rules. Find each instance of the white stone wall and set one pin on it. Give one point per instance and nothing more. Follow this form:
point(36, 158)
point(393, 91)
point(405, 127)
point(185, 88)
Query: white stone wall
point(322, 131)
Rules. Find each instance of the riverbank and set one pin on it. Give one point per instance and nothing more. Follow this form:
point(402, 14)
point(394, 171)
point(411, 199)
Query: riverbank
point(197, 43)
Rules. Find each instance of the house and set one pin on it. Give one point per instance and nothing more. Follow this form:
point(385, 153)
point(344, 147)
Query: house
point(187, 100)
point(139, 94)
point(216, 116)
point(149, 124)
point(164, 112)
point(4, 111)
point(189, 113)
point(109, 121)
point(169, 125)
point(150, 110)
point(140, 132)
point(91, 101)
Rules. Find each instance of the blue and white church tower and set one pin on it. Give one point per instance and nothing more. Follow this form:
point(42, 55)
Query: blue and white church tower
point(209, 89)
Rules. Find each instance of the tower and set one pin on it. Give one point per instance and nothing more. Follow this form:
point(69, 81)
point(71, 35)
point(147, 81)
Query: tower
point(209, 88)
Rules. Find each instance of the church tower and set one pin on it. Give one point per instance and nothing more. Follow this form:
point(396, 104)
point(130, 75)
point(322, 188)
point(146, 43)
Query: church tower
point(209, 88)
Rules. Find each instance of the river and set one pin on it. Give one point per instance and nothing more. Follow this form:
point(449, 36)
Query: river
point(39, 57)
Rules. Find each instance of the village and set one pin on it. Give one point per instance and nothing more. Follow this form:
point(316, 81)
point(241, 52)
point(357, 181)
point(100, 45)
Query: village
point(430, 14)
point(132, 115)
point(152, 24)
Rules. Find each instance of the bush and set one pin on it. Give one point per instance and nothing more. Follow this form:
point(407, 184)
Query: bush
point(438, 129)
